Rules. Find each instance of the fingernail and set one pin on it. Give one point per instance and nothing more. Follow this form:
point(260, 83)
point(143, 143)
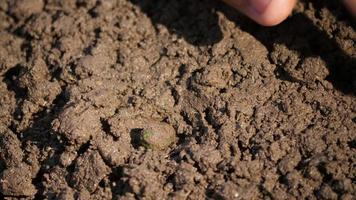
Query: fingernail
point(259, 5)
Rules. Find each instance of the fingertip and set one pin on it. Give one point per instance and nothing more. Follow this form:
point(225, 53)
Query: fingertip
point(351, 6)
point(276, 12)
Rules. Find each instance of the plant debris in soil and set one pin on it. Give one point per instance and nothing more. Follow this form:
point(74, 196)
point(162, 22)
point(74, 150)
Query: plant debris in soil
point(233, 110)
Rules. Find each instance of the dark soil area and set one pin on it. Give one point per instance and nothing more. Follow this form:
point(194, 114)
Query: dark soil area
point(160, 99)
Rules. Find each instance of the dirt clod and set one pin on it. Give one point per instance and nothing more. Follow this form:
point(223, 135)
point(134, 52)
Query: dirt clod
point(25, 8)
point(78, 122)
point(17, 181)
point(11, 154)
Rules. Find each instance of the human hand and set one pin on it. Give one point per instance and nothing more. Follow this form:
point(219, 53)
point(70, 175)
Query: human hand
point(273, 12)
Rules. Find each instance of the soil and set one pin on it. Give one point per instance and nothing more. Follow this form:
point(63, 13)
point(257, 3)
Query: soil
point(233, 110)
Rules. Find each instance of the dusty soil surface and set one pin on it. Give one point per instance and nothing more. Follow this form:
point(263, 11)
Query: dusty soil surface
point(186, 99)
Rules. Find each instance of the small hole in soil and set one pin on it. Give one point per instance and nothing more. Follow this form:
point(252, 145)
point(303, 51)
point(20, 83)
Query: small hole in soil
point(182, 70)
point(170, 178)
point(241, 146)
point(93, 13)
point(354, 120)
point(135, 137)
point(327, 177)
point(254, 150)
point(11, 77)
point(175, 95)
point(102, 183)
point(283, 180)
point(81, 4)
point(181, 139)
point(84, 148)
point(105, 126)
point(118, 185)
point(37, 181)
point(223, 90)
point(276, 137)
point(352, 144)
point(71, 168)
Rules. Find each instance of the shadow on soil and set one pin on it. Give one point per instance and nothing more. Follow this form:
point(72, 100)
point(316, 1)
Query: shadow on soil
point(197, 22)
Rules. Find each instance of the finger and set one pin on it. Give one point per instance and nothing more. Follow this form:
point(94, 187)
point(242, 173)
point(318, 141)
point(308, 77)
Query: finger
point(351, 5)
point(264, 12)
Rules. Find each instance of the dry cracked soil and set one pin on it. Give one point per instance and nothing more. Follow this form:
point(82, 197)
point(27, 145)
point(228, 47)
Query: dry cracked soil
point(164, 99)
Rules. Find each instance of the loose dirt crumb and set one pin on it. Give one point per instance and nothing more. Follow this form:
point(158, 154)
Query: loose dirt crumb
point(88, 177)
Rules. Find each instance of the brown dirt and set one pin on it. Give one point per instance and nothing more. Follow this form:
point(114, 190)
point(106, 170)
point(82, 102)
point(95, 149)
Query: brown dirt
point(249, 112)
